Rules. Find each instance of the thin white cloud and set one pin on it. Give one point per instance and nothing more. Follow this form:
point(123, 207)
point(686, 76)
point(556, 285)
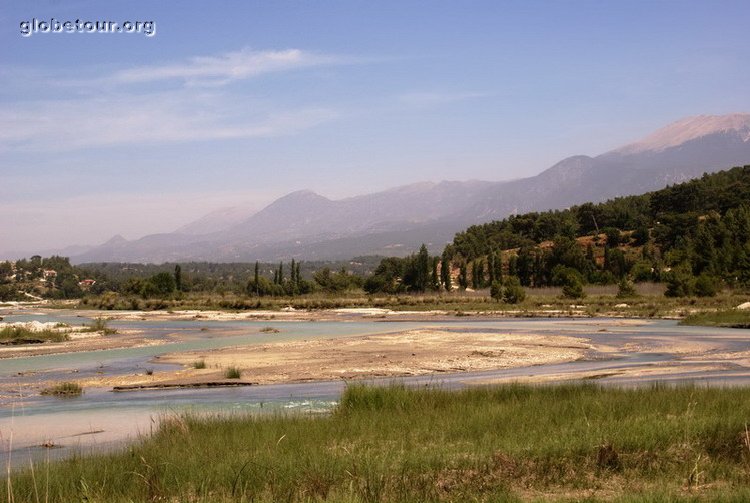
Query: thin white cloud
point(99, 112)
point(63, 125)
point(228, 67)
point(429, 98)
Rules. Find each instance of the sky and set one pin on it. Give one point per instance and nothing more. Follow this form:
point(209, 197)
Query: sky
point(235, 103)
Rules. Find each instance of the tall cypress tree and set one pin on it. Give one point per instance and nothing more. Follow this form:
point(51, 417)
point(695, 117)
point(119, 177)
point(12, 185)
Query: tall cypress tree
point(498, 267)
point(491, 268)
point(257, 278)
point(423, 269)
point(463, 280)
point(178, 277)
point(445, 272)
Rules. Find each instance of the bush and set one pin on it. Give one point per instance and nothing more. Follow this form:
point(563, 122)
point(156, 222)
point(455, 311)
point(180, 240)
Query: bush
point(642, 271)
point(680, 282)
point(232, 373)
point(571, 281)
point(496, 290)
point(63, 390)
point(573, 289)
point(513, 292)
point(199, 364)
point(707, 285)
point(625, 289)
point(613, 236)
point(99, 324)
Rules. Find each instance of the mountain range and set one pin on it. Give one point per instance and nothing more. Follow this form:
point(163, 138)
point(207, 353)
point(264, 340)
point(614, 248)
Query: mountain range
point(305, 225)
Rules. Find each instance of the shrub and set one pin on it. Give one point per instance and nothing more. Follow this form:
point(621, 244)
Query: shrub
point(707, 285)
point(199, 364)
point(680, 282)
point(496, 290)
point(642, 271)
point(571, 281)
point(232, 373)
point(63, 390)
point(513, 292)
point(625, 289)
point(100, 324)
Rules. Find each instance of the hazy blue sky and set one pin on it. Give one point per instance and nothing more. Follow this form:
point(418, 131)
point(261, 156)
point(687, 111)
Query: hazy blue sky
point(237, 102)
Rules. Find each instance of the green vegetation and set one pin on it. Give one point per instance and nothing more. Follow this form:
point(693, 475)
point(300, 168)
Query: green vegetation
point(730, 318)
point(232, 373)
point(63, 390)
point(20, 335)
point(506, 443)
point(199, 364)
point(100, 324)
point(695, 237)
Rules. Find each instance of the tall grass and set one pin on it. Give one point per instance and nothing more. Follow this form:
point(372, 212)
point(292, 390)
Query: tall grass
point(63, 390)
point(21, 335)
point(732, 318)
point(232, 373)
point(506, 443)
point(100, 324)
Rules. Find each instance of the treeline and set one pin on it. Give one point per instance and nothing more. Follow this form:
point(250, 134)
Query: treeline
point(28, 275)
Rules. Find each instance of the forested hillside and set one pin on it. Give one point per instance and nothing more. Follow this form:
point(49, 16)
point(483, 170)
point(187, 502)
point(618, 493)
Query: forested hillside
point(698, 229)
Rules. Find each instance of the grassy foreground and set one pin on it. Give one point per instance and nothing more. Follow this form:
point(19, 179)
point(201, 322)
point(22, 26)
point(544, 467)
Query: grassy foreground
point(508, 443)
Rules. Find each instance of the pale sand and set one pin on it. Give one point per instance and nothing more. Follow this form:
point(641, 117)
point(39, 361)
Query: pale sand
point(413, 352)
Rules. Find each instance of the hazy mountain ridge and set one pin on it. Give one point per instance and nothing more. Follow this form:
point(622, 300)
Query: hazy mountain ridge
point(304, 224)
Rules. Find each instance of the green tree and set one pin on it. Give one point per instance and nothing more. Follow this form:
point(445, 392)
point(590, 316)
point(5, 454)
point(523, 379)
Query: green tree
point(613, 236)
point(496, 290)
point(256, 278)
point(163, 284)
point(680, 282)
point(422, 275)
point(445, 271)
point(707, 285)
point(463, 280)
point(178, 277)
point(513, 292)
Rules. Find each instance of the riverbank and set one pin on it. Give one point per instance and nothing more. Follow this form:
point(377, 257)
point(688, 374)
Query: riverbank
point(447, 344)
point(508, 443)
point(648, 302)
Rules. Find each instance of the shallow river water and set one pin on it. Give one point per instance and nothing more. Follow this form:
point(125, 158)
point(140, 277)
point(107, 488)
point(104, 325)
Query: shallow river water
point(101, 418)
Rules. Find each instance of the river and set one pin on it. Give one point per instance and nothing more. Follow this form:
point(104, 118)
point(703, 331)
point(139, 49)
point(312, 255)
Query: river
point(101, 419)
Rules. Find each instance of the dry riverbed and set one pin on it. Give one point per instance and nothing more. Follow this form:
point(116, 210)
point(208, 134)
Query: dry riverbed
point(412, 352)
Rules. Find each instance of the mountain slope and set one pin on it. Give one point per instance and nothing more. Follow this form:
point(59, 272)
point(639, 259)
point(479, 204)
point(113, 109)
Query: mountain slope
point(304, 224)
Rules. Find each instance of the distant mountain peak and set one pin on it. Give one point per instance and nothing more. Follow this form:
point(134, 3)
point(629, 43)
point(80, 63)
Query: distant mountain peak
point(302, 195)
point(115, 240)
point(688, 129)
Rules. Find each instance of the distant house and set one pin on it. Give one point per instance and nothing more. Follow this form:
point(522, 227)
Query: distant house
point(49, 274)
point(86, 283)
